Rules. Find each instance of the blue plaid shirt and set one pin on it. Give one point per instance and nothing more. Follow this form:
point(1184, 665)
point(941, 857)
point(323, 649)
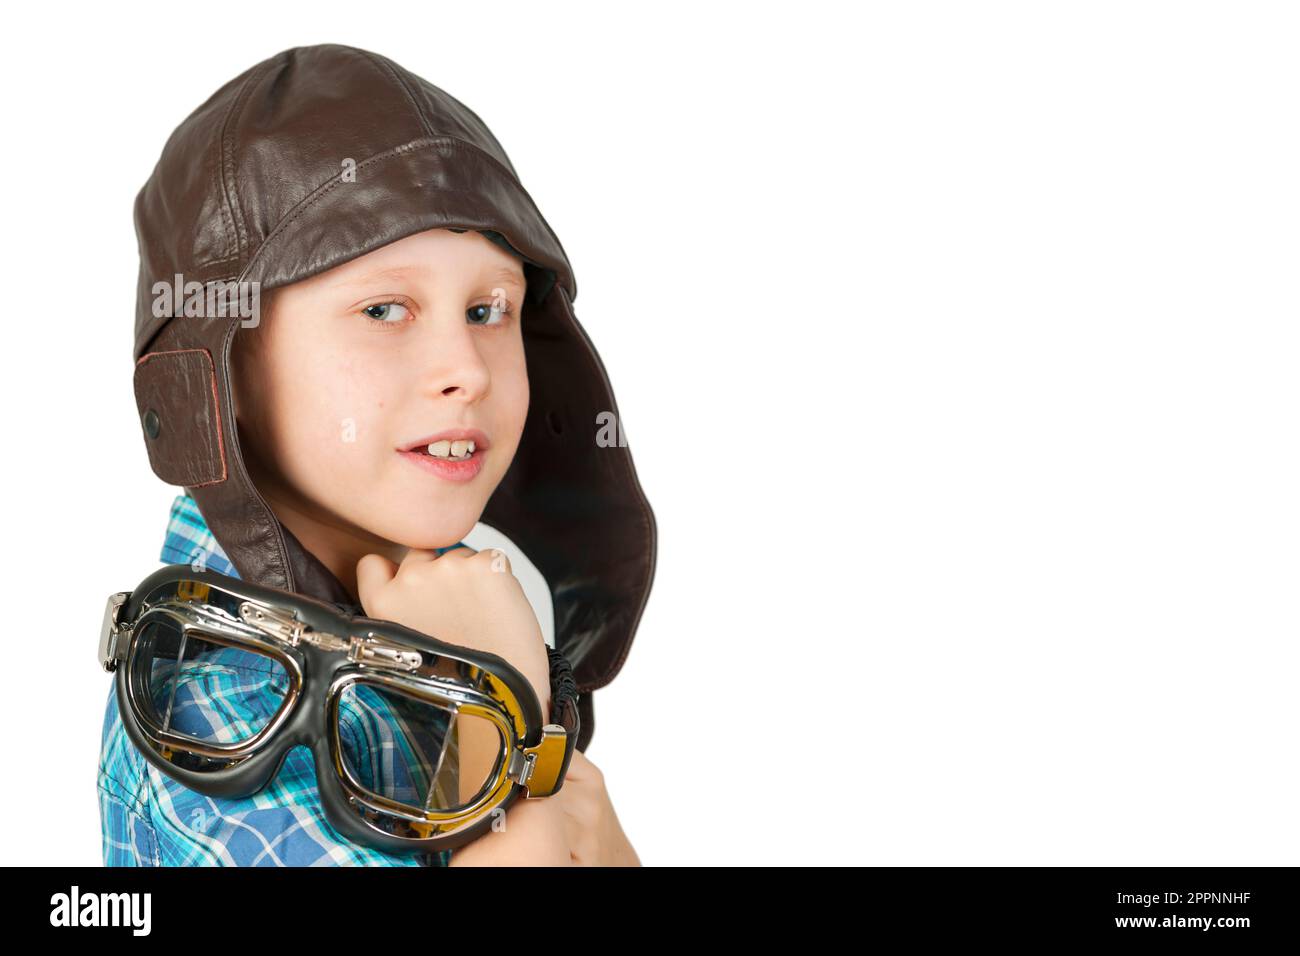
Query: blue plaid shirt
point(148, 819)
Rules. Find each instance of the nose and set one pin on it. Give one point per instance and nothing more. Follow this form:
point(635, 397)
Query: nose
point(453, 365)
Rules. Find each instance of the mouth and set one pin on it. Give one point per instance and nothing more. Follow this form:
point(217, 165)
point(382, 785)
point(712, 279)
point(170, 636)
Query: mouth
point(455, 454)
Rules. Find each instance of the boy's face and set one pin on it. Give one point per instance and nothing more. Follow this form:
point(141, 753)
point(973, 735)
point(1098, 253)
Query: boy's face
point(354, 365)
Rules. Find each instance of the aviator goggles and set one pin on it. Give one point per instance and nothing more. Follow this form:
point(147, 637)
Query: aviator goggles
point(358, 692)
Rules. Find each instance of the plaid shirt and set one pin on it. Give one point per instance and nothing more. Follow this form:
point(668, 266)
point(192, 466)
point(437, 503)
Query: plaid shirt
point(148, 819)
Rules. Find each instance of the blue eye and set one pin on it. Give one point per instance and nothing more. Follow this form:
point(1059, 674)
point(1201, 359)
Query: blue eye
point(381, 313)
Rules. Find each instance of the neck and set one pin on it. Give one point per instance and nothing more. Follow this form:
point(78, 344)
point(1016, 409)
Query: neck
point(337, 544)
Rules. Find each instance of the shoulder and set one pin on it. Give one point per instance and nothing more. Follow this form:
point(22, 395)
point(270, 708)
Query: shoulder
point(150, 819)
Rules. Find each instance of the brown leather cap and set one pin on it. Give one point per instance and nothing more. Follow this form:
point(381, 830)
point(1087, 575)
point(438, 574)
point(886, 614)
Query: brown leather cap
point(248, 188)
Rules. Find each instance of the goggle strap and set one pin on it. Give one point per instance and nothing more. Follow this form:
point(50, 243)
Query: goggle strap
point(564, 688)
point(542, 766)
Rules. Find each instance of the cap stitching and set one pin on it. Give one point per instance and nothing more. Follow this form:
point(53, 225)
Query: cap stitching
point(387, 67)
point(227, 154)
point(333, 182)
point(272, 528)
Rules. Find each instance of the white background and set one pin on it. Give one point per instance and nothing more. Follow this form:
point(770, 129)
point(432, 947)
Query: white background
point(957, 348)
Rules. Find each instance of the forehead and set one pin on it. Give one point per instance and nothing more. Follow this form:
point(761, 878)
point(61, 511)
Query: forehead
point(437, 254)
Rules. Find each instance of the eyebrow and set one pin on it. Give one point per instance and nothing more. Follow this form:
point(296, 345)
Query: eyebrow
point(393, 272)
point(402, 272)
point(508, 275)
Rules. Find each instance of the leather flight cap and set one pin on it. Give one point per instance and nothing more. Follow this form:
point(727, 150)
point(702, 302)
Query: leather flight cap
point(251, 188)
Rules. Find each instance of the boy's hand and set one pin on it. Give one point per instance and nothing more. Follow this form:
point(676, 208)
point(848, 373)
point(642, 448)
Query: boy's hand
point(575, 827)
point(592, 829)
point(464, 597)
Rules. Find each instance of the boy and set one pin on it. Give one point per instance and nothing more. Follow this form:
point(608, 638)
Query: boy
point(409, 301)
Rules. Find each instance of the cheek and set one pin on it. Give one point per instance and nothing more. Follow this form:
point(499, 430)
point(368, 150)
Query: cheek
point(329, 406)
point(512, 387)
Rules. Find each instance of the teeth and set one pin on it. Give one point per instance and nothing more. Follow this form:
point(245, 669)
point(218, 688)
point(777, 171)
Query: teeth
point(451, 450)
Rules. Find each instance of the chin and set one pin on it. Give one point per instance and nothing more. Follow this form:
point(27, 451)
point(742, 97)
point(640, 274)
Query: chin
point(436, 534)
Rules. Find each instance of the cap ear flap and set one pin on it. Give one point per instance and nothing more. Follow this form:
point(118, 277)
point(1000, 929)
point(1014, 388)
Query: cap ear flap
point(176, 394)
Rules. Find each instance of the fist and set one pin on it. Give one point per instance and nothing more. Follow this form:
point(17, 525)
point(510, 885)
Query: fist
point(464, 597)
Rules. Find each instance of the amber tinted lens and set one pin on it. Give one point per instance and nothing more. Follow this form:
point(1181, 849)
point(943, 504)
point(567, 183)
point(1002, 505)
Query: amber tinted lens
point(422, 754)
point(206, 690)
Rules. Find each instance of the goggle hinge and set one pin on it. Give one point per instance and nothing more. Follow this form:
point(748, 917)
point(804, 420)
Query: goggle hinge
point(361, 650)
point(521, 767)
point(272, 621)
point(539, 767)
point(111, 647)
point(378, 654)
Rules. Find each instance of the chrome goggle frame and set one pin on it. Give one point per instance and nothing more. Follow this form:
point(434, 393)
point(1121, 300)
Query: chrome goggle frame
point(324, 652)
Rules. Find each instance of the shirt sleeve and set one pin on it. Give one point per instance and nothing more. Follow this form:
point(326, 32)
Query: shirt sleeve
point(283, 825)
point(128, 839)
point(127, 836)
point(148, 819)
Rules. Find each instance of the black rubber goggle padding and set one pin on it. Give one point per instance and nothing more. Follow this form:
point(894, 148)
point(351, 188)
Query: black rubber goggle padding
point(301, 721)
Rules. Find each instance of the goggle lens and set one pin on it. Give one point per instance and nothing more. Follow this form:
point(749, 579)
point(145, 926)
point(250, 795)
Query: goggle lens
point(211, 692)
point(422, 754)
